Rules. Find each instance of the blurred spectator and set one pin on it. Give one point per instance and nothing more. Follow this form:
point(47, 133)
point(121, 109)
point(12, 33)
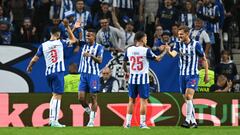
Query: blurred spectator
point(28, 31)
point(167, 15)
point(59, 7)
point(222, 85)
point(236, 14)
point(30, 8)
point(123, 8)
point(202, 86)
point(95, 5)
point(41, 15)
point(103, 13)
point(152, 84)
point(198, 33)
point(210, 14)
point(6, 36)
point(228, 6)
point(158, 33)
point(17, 9)
point(85, 16)
point(72, 80)
point(56, 9)
point(128, 31)
point(228, 68)
point(147, 12)
point(108, 36)
point(108, 82)
point(199, 4)
point(188, 15)
point(46, 33)
point(174, 37)
point(2, 16)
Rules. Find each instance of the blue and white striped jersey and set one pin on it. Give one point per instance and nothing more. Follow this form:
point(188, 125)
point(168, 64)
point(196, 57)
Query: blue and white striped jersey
point(87, 64)
point(189, 54)
point(187, 19)
point(123, 4)
point(53, 55)
point(139, 66)
point(211, 26)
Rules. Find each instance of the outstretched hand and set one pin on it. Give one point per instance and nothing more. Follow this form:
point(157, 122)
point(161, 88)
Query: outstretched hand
point(77, 24)
point(29, 69)
point(65, 22)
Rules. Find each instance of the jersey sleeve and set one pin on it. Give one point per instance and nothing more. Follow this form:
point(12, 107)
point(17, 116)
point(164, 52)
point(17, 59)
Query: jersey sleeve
point(199, 50)
point(39, 51)
point(206, 38)
point(176, 46)
point(150, 54)
point(66, 43)
point(125, 56)
point(100, 51)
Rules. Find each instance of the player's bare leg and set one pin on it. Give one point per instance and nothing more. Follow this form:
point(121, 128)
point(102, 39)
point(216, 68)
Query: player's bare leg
point(55, 105)
point(190, 119)
point(130, 107)
point(83, 102)
point(93, 97)
point(143, 110)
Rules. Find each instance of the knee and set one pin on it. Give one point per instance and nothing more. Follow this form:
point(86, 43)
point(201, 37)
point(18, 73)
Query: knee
point(94, 98)
point(57, 96)
point(188, 96)
point(81, 98)
point(131, 101)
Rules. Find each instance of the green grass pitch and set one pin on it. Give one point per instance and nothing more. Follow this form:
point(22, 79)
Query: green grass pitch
point(114, 130)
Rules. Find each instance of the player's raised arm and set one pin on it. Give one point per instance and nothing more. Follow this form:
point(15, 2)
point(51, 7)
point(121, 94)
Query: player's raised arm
point(172, 53)
point(72, 38)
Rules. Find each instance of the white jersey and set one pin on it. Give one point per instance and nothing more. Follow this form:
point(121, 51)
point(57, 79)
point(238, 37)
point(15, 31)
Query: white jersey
point(139, 66)
point(53, 55)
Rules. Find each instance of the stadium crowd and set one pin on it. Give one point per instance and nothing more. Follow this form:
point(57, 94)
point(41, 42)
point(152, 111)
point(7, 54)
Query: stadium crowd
point(30, 21)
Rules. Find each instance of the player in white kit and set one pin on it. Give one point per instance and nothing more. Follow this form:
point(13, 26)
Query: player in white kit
point(138, 56)
point(52, 50)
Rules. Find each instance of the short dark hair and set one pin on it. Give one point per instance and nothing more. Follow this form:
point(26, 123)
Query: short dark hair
point(184, 28)
point(139, 35)
point(104, 17)
point(54, 30)
point(175, 24)
point(79, 0)
point(225, 52)
point(91, 30)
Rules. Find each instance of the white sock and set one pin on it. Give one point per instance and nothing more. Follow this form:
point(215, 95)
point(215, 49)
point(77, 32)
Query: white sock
point(92, 117)
point(189, 110)
point(87, 109)
point(129, 119)
point(142, 119)
point(51, 117)
point(193, 120)
point(58, 109)
point(54, 109)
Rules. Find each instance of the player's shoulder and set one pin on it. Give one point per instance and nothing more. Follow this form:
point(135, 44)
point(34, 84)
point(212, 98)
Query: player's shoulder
point(99, 45)
point(196, 42)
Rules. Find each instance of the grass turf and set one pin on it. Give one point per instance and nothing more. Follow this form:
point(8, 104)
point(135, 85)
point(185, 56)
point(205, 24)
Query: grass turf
point(113, 130)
